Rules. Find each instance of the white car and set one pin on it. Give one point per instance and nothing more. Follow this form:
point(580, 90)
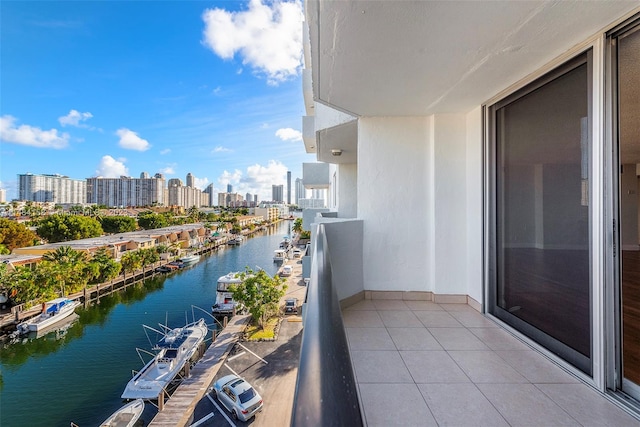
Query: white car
point(287, 270)
point(238, 397)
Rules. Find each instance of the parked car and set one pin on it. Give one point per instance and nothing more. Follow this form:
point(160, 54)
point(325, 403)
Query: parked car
point(286, 271)
point(238, 397)
point(291, 306)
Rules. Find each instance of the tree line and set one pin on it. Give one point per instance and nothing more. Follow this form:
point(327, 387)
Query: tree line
point(61, 227)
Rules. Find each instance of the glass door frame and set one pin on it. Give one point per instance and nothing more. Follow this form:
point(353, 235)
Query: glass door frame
point(599, 230)
point(614, 377)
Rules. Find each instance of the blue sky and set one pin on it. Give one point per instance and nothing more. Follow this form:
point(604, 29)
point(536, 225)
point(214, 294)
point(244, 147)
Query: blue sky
point(111, 88)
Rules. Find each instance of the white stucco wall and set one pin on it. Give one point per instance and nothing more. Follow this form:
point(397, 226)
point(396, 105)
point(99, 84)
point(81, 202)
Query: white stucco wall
point(393, 175)
point(474, 193)
point(347, 194)
point(450, 196)
point(420, 199)
point(345, 250)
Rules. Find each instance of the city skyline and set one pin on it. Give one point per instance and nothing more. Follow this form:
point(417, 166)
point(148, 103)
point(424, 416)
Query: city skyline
point(121, 88)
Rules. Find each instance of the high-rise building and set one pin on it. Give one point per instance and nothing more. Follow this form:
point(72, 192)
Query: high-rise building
point(288, 187)
point(300, 190)
point(144, 175)
point(126, 191)
point(229, 188)
point(276, 193)
point(52, 188)
point(255, 200)
point(185, 196)
point(210, 197)
point(3, 195)
point(175, 182)
point(191, 180)
point(230, 200)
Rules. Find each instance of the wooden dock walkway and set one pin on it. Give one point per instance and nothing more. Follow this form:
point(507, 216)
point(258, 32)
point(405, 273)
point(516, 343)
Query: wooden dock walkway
point(179, 408)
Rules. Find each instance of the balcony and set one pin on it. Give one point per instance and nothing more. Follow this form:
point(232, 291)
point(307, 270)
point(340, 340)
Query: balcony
point(417, 362)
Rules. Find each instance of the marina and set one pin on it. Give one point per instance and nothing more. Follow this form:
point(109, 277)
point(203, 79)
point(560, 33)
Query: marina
point(98, 350)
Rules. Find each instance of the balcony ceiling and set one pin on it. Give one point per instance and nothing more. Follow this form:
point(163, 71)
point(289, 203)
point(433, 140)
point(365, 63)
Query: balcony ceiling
point(343, 138)
point(405, 58)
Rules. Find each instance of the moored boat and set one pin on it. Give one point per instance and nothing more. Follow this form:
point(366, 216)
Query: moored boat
point(125, 416)
point(225, 305)
point(279, 255)
point(52, 312)
point(176, 348)
point(236, 240)
point(190, 259)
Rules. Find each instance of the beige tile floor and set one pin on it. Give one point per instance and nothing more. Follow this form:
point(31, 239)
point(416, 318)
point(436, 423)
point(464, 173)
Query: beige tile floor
point(418, 363)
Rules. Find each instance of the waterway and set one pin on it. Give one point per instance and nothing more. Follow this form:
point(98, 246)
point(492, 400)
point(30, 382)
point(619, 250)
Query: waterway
point(78, 374)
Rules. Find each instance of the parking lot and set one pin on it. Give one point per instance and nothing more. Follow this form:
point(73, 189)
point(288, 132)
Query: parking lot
point(271, 367)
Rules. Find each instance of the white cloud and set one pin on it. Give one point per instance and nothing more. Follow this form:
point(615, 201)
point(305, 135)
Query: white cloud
point(258, 179)
point(112, 168)
point(229, 178)
point(221, 149)
point(268, 37)
point(30, 135)
point(131, 141)
point(165, 151)
point(168, 170)
point(74, 118)
point(288, 134)
point(201, 183)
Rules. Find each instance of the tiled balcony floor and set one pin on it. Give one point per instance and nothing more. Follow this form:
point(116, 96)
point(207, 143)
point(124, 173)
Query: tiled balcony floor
point(419, 363)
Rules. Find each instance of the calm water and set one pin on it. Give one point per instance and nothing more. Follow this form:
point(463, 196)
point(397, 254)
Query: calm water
point(78, 375)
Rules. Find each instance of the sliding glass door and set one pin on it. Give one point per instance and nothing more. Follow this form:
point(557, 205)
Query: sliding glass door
point(539, 257)
point(625, 66)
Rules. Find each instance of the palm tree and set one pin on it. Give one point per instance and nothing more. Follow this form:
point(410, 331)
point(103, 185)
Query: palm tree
point(131, 261)
point(65, 255)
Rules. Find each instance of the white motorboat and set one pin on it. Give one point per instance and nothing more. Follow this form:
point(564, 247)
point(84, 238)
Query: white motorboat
point(125, 416)
point(52, 312)
point(190, 259)
point(225, 305)
point(174, 350)
point(279, 255)
point(236, 240)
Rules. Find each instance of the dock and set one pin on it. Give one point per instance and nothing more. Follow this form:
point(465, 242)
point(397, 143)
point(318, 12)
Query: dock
point(178, 410)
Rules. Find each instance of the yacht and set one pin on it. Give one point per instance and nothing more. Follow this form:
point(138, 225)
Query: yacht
point(225, 305)
point(176, 348)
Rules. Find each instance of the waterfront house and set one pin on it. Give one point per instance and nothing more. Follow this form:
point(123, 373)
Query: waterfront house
point(183, 236)
point(482, 179)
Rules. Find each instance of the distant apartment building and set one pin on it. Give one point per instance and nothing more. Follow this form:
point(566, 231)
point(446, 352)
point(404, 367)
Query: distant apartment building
point(311, 203)
point(185, 196)
point(51, 188)
point(269, 213)
point(251, 200)
point(230, 200)
point(3, 195)
point(229, 188)
point(208, 194)
point(288, 187)
point(126, 191)
point(277, 193)
point(175, 182)
point(300, 190)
